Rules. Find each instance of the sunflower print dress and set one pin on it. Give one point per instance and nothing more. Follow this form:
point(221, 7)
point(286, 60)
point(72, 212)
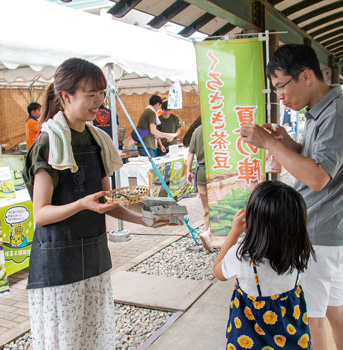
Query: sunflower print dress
point(268, 323)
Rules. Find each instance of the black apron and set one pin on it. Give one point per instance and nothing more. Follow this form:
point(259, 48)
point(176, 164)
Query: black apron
point(76, 248)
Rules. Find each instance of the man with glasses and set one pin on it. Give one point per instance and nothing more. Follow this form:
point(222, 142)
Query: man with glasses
point(317, 165)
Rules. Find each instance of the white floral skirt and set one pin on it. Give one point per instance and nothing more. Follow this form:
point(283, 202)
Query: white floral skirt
point(77, 316)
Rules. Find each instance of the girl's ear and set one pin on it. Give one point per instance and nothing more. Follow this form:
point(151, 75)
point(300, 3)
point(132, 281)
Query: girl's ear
point(65, 97)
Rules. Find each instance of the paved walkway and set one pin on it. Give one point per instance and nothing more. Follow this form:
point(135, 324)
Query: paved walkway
point(14, 315)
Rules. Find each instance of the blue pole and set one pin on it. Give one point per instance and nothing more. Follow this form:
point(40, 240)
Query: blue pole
point(159, 175)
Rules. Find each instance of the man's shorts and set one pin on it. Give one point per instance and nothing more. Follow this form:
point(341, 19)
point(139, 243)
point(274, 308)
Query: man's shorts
point(323, 280)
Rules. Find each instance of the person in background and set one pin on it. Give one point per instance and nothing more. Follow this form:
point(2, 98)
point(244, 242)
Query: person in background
point(268, 308)
point(197, 147)
point(169, 123)
point(147, 124)
point(32, 127)
point(286, 122)
point(103, 120)
point(66, 173)
point(317, 165)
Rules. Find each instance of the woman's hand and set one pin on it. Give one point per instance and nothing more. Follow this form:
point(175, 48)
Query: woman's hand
point(91, 202)
point(45, 213)
point(163, 149)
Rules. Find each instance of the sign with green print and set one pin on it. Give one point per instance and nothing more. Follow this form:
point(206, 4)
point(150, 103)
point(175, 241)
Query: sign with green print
point(174, 174)
point(4, 286)
point(231, 83)
point(17, 234)
point(7, 190)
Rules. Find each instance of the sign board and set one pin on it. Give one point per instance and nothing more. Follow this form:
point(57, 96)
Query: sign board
point(231, 81)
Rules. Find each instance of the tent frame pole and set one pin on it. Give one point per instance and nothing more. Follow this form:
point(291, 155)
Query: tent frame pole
point(111, 80)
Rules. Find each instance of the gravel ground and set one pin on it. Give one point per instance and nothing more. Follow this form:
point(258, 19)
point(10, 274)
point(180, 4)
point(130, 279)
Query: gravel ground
point(178, 261)
point(21, 343)
point(134, 324)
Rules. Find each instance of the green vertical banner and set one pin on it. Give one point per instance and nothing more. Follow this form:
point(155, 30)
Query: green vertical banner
point(231, 83)
point(17, 234)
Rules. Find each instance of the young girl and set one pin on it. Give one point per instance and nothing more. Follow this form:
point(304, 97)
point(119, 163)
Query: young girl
point(268, 309)
point(66, 173)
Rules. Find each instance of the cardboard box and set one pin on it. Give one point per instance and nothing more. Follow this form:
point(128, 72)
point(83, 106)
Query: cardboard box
point(160, 211)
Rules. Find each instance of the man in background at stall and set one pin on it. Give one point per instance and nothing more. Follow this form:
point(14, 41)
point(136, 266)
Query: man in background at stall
point(32, 127)
point(147, 127)
point(169, 123)
point(197, 147)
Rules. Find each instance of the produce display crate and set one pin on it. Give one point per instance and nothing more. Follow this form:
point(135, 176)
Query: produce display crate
point(160, 211)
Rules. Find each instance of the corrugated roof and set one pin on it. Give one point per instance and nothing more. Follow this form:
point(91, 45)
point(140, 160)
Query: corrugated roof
point(321, 21)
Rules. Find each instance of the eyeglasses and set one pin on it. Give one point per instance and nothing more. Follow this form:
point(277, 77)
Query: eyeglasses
point(279, 90)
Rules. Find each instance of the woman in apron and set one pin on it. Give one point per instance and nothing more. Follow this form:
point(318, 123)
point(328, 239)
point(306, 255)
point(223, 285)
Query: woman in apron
point(67, 175)
point(268, 308)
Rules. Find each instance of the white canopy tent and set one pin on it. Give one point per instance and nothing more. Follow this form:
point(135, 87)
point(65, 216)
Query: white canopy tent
point(36, 36)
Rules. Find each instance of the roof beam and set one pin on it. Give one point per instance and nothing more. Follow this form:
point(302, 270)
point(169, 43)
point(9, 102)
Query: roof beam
point(299, 6)
point(326, 29)
point(339, 48)
point(328, 43)
point(160, 20)
point(122, 7)
point(324, 38)
point(240, 12)
point(322, 21)
point(333, 46)
point(223, 30)
point(319, 11)
point(196, 25)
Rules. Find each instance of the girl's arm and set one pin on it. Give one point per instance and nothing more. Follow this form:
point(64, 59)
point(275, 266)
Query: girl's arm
point(238, 227)
point(120, 212)
point(45, 213)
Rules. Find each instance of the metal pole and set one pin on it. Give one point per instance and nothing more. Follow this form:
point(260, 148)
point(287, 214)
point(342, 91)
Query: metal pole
point(121, 235)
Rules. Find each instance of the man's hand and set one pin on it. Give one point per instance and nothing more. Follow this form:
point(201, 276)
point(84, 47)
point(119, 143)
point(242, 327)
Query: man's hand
point(163, 149)
point(170, 138)
point(277, 131)
point(190, 177)
point(256, 135)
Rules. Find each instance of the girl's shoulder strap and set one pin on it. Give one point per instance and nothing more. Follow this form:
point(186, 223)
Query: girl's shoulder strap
point(297, 279)
point(256, 278)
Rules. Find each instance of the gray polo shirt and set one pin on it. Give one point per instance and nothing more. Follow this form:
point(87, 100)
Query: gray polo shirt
point(323, 142)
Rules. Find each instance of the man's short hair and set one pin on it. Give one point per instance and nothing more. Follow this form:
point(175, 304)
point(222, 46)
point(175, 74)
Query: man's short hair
point(165, 106)
point(154, 99)
point(292, 59)
point(33, 106)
